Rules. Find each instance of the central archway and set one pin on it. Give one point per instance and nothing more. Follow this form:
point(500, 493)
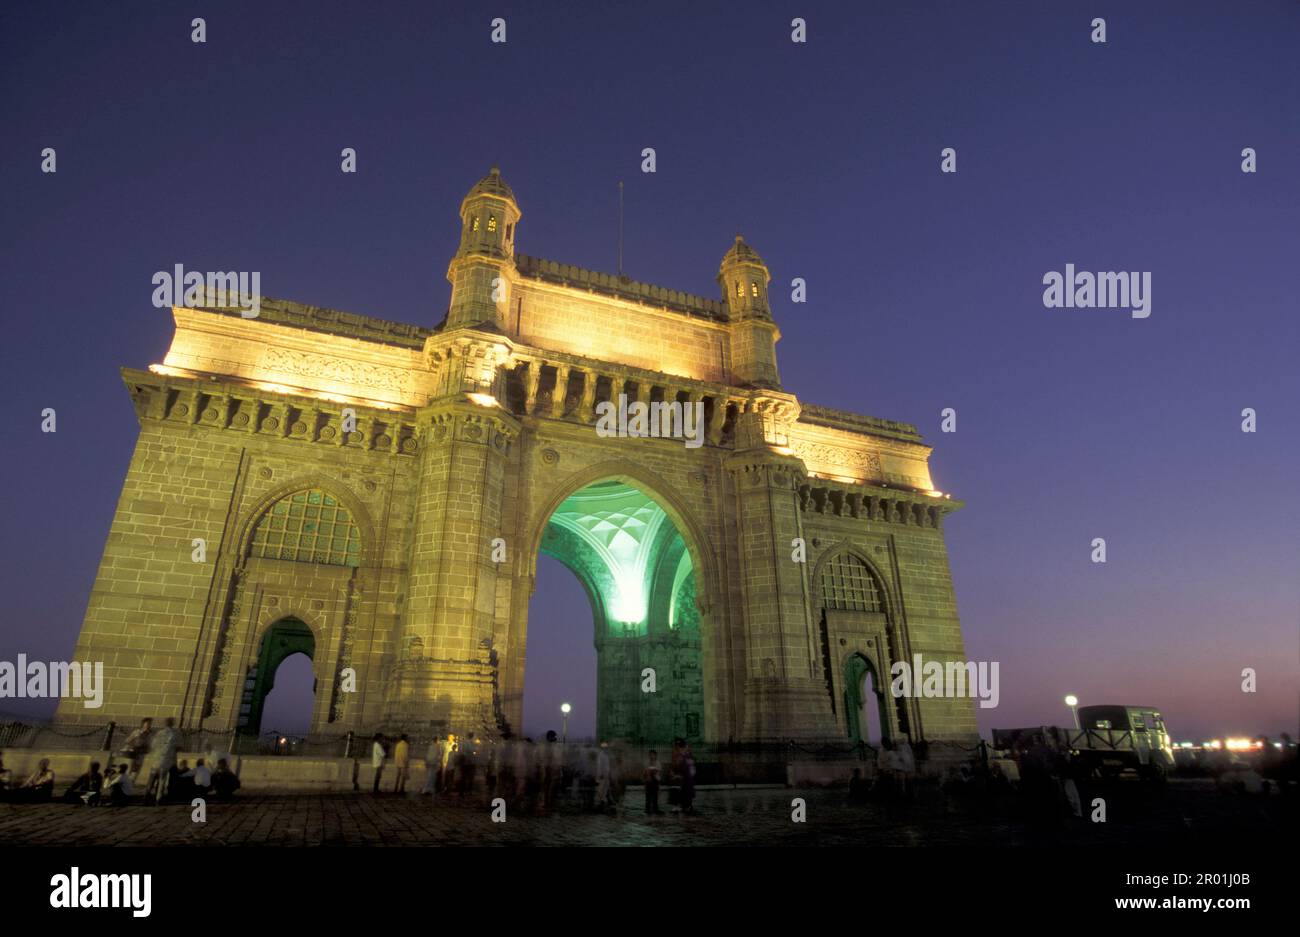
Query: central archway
point(639, 574)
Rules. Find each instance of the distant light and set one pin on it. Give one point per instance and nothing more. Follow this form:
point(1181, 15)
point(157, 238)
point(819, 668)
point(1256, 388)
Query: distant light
point(1241, 745)
point(1072, 700)
point(566, 708)
point(1185, 745)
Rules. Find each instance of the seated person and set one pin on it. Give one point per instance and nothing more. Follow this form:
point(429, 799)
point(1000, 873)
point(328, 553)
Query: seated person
point(85, 786)
point(121, 788)
point(224, 781)
point(38, 787)
point(180, 787)
point(202, 780)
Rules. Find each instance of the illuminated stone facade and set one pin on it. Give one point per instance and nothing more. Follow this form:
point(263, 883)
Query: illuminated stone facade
point(377, 493)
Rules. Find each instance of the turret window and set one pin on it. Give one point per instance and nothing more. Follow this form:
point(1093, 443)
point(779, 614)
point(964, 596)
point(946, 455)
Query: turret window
point(753, 287)
point(474, 224)
point(740, 290)
point(492, 222)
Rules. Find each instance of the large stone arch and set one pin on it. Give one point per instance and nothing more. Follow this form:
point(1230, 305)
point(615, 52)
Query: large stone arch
point(707, 655)
point(328, 608)
point(697, 541)
point(881, 644)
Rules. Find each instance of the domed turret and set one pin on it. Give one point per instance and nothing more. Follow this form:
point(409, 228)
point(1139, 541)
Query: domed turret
point(488, 216)
point(744, 277)
point(483, 268)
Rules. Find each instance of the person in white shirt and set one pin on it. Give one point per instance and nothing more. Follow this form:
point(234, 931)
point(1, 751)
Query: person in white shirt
point(377, 755)
point(433, 758)
point(121, 789)
point(162, 760)
point(202, 778)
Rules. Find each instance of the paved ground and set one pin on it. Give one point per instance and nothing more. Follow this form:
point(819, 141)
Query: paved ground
point(1189, 812)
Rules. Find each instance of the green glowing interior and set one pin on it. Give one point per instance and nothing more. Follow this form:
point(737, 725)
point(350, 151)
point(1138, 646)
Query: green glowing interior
point(637, 570)
point(626, 551)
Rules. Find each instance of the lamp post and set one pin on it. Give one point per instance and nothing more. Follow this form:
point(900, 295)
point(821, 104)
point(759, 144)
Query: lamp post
point(565, 708)
point(1073, 702)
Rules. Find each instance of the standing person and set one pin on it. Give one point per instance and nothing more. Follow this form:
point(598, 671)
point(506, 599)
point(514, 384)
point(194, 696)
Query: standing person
point(377, 755)
point(136, 745)
point(445, 771)
point(493, 767)
point(906, 766)
point(687, 769)
point(554, 768)
point(432, 765)
point(652, 775)
point(162, 760)
point(604, 792)
point(402, 762)
point(523, 770)
point(469, 764)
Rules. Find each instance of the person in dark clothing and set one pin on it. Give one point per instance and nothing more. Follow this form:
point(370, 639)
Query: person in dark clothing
point(653, 774)
point(224, 781)
point(858, 787)
point(86, 788)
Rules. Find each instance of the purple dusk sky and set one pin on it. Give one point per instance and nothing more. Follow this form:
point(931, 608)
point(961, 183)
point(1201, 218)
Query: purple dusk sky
point(924, 289)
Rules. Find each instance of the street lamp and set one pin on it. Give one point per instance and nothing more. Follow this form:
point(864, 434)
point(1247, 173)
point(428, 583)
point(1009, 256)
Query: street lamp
point(565, 708)
point(1073, 702)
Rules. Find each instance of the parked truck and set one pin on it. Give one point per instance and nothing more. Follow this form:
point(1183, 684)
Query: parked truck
point(1110, 740)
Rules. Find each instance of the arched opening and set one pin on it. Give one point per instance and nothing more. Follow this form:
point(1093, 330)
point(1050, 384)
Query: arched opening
point(639, 577)
point(864, 702)
point(287, 707)
point(284, 639)
point(561, 663)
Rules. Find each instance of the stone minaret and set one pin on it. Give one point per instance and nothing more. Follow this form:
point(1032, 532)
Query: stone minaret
point(484, 265)
point(744, 277)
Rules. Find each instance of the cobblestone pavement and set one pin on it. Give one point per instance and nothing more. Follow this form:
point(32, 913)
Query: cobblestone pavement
point(1189, 812)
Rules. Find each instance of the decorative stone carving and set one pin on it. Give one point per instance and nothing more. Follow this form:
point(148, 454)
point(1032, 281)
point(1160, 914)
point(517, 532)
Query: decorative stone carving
point(338, 370)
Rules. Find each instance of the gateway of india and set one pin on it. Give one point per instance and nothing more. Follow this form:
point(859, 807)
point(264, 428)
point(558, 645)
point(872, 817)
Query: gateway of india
point(375, 495)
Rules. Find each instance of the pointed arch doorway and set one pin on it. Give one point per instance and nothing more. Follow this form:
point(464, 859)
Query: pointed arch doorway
point(865, 708)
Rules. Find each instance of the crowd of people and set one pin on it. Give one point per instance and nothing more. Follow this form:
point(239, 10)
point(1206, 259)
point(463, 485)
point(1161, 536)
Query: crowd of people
point(148, 772)
point(533, 777)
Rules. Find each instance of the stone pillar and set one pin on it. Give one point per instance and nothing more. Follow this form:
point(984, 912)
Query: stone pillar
point(716, 419)
point(530, 385)
point(784, 694)
point(444, 668)
point(587, 406)
point(561, 391)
